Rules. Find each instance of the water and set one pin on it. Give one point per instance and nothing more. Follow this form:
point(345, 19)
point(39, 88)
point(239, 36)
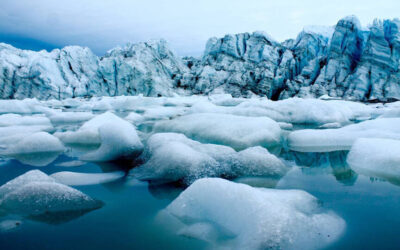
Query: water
point(130, 217)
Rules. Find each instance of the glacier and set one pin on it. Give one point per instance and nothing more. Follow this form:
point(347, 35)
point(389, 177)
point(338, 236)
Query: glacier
point(345, 61)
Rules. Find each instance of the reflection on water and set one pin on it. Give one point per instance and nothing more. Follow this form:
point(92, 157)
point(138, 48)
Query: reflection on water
point(330, 161)
point(37, 159)
point(55, 218)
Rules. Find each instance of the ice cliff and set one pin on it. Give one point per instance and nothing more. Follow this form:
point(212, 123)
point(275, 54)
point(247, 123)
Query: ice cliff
point(345, 61)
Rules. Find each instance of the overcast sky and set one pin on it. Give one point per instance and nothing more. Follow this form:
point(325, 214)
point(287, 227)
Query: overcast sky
point(186, 25)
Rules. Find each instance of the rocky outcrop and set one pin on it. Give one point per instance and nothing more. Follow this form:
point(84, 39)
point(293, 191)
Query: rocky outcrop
point(345, 61)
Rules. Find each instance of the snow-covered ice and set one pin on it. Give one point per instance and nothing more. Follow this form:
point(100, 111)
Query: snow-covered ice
point(35, 193)
point(326, 140)
point(119, 139)
point(171, 157)
point(40, 142)
point(376, 157)
point(238, 132)
point(237, 216)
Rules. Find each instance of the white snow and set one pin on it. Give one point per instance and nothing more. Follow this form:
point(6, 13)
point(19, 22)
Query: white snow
point(376, 157)
point(237, 216)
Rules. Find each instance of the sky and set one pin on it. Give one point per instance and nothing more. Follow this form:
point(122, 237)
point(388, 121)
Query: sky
point(186, 25)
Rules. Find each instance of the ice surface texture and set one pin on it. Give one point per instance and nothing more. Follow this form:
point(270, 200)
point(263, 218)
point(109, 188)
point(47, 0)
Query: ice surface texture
point(35, 193)
point(347, 62)
point(117, 138)
point(238, 216)
point(238, 132)
point(376, 157)
point(326, 140)
point(171, 157)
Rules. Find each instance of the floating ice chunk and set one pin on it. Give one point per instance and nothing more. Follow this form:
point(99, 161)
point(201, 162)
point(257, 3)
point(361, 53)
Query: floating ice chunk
point(88, 133)
point(71, 164)
point(134, 118)
point(293, 110)
point(35, 193)
point(26, 106)
point(239, 132)
point(45, 197)
point(257, 161)
point(119, 139)
point(40, 142)
point(376, 157)
point(15, 119)
point(238, 216)
point(314, 140)
point(331, 125)
point(78, 179)
point(38, 149)
point(71, 117)
point(285, 125)
point(23, 130)
point(28, 177)
point(171, 157)
point(158, 113)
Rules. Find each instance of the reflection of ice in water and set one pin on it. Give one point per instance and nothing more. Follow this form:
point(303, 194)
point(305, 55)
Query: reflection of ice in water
point(335, 162)
point(37, 159)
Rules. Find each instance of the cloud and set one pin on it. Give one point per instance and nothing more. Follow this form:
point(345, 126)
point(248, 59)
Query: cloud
point(185, 24)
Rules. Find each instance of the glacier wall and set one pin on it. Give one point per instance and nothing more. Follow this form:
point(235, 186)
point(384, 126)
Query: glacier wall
point(347, 62)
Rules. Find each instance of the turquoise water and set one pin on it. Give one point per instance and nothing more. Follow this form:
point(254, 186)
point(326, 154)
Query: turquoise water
point(129, 219)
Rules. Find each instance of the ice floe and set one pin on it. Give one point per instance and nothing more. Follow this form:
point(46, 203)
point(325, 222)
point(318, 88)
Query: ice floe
point(34, 193)
point(238, 132)
point(376, 157)
point(238, 216)
point(119, 139)
point(325, 140)
point(171, 157)
point(78, 179)
point(37, 149)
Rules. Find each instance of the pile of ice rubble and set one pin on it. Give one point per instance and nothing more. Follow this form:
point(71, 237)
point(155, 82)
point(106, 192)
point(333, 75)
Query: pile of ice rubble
point(187, 140)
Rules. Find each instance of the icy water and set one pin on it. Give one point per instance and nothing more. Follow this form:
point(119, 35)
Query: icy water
point(129, 219)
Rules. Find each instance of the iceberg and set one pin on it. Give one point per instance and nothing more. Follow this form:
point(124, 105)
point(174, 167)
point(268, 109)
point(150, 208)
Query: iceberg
point(40, 142)
point(237, 216)
point(171, 157)
point(36, 149)
point(35, 193)
point(119, 139)
point(376, 157)
point(238, 132)
point(327, 140)
point(79, 179)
